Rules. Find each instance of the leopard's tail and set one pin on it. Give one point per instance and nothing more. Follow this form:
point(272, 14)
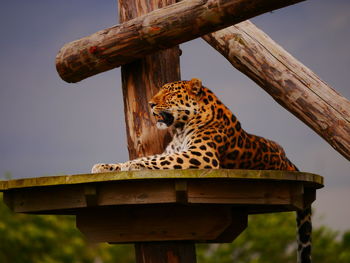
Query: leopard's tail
point(304, 235)
point(304, 230)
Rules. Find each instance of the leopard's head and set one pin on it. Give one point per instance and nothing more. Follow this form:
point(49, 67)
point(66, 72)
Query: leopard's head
point(176, 103)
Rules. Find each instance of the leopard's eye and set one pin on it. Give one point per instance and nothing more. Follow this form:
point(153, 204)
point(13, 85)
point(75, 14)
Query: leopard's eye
point(152, 104)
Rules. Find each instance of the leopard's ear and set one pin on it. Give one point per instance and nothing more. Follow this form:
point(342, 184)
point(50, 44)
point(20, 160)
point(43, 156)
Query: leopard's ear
point(196, 86)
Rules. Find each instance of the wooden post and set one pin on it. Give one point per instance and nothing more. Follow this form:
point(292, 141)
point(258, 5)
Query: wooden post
point(288, 81)
point(141, 80)
point(171, 252)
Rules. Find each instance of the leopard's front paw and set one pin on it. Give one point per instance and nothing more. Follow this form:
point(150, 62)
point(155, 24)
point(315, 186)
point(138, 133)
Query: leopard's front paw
point(104, 167)
point(131, 166)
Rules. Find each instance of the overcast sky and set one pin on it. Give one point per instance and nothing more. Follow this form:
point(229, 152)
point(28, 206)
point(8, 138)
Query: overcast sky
point(49, 127)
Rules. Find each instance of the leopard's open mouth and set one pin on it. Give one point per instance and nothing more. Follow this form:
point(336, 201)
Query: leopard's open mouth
point(166, 118)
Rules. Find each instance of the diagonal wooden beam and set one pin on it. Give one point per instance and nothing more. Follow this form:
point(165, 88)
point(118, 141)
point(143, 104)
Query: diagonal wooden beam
point(288, 81)
point(159, 29)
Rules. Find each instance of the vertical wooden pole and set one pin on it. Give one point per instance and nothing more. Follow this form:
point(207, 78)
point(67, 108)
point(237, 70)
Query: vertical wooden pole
point(141, 80)
point(171, 252)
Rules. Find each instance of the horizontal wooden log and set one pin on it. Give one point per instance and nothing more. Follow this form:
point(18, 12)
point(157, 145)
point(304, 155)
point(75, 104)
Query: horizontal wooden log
point(288, 81)
point(159, 29)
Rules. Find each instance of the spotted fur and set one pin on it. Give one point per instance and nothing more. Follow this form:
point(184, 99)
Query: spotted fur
point(208, 136)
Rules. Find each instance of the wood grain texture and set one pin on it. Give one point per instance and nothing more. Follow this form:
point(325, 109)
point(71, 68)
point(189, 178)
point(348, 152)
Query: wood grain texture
point(157, 30)
point(141, 79)
point(159, 223)
point(257, 195)
point(314, 180)
point(246, 193)
point(166, 252)
point(288, 81)
point(213, 208)
point(139, 192)
point(47, 199)
point(239, 222)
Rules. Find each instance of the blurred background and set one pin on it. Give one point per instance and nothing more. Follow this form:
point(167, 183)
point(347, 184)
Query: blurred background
point(49, 127)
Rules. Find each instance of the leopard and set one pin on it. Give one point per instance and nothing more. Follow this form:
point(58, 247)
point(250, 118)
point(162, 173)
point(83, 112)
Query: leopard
point(207, 135)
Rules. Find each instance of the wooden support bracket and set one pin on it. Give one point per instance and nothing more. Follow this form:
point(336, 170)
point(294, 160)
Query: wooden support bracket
point(239, 222)
point(309, 196)
point(161, 223)
point(181, 191)
point(297, 196)
point(90, 194)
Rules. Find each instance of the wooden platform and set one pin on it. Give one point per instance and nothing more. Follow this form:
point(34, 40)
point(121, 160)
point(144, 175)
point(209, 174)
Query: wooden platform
point(167, 205)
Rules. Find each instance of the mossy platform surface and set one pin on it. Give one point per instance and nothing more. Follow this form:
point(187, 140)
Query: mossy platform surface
point(316, 181)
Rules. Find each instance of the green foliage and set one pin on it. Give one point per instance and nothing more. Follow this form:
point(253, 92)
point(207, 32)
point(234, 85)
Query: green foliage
point(272, 238)
point(51, 239)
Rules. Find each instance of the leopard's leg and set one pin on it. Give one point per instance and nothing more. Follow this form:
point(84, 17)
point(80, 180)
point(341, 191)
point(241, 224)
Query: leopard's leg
point(104, 168)
point(113, 167)
point(304, 226)
point(181, 160)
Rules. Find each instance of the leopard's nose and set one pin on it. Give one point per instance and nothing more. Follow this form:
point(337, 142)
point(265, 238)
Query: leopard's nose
point(152, 104)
